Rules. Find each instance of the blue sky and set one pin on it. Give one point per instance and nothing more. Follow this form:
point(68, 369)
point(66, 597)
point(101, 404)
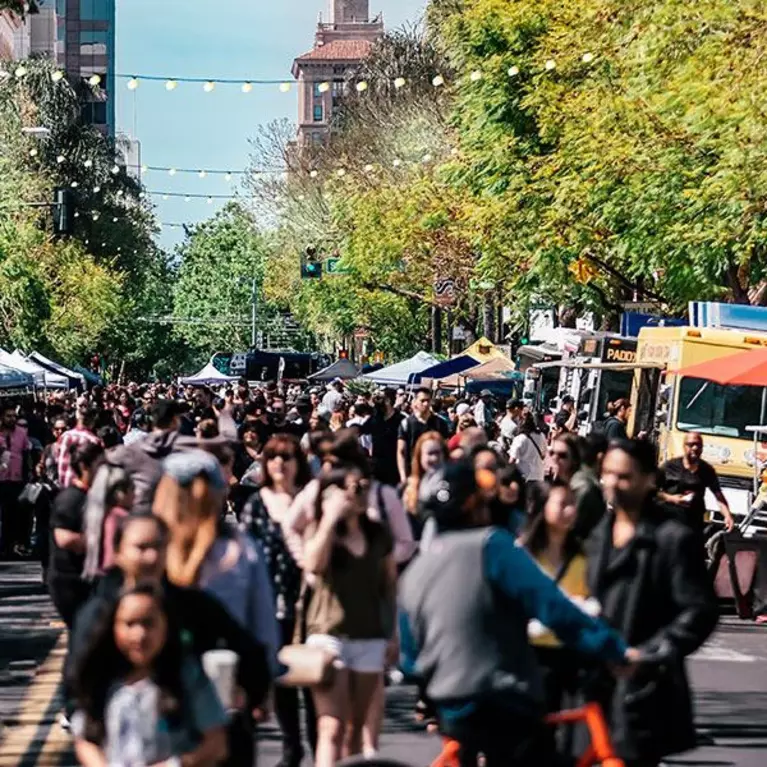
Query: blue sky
point(188, 128)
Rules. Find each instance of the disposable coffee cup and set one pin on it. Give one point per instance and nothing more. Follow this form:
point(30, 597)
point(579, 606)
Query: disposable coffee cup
point(221, 668)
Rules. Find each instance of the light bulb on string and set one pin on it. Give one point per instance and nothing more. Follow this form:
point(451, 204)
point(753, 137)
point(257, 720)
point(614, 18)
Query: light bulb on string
point(368, 168)
point(400, 82)
point(74, 185)
point(340, 173)
point(362, 86)
point(427, 158)
point(587, 58)
point(20, 71)
point(323, 87)
point(210, 200)
point(132, 84)
point(550, 65)
point(475, 76)
point(144, 169)
point(247, 87)
point(94, 80)
point(172, 172)
point(209, 87)
point(57, 76)
point(96, 189)
point(115, 170)
point(165, 197)
point(95, 216)
point(88, 163)
point(171, 85)
point(513, 71)
point(202, 174)
point(313, 173)
point(187, 199)
point(228, 176)
point(438, 81)
point(454, 151)
point(60, 159)
point(114, 219)
point(33, 152)
point(77, 214)
point(119, 192)
point(284, 87)
point(397, 163)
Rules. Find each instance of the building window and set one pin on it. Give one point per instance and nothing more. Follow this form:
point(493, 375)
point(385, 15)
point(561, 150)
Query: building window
point(94, 113)
point(96, 10)
point(93, 43)
point(318, 113)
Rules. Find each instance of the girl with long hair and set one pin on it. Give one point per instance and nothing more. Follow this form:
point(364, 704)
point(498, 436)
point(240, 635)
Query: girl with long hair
point(430, 451)
point(285, 473)
point(352, 610)
point(206, 553)
point(564, 457)
point(551, 541)
point(140, 698)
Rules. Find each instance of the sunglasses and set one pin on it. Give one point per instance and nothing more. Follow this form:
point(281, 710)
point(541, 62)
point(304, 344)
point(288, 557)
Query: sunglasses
point(694, 444)
point(284, 455)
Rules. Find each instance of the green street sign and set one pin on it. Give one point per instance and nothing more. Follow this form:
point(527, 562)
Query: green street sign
point(333, 266)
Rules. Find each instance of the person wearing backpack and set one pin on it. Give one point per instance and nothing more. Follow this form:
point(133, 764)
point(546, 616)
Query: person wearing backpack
point(528, 449)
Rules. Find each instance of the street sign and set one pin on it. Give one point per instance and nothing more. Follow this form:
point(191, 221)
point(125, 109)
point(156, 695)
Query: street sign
point(444, 291)
point(333, 266)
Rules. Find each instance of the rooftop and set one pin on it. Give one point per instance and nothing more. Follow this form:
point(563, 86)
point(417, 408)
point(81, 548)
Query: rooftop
point(338, 50)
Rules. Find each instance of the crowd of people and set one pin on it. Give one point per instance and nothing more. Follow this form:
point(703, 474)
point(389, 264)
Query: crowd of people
point(507, 564)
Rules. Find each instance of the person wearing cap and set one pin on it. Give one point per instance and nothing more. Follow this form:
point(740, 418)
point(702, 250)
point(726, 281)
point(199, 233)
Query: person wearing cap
point(468, 599)
point(483, 410)
point(511, 422)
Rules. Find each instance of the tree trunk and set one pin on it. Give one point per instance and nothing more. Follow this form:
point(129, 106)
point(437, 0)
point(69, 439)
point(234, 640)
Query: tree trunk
point(499, 334)
point(488, 316)
point(436, 330)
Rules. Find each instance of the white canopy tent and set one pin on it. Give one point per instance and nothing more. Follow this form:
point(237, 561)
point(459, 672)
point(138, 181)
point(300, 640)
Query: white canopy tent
point(42, 377)
point(401, 373)
point(208, 376)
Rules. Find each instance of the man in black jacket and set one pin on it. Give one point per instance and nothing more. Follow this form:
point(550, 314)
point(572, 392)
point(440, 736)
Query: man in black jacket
point(646, 570)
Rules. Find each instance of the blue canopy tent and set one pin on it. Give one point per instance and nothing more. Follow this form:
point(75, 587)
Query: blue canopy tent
point(94, 379)
point(76, 380)
point(14, 381)
point(402, 373)
point(447, 368)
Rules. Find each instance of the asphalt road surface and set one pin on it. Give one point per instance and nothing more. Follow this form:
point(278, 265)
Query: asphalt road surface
point(729, 677)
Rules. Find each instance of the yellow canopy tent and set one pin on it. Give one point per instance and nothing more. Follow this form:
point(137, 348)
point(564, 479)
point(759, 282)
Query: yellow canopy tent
point(484, 350)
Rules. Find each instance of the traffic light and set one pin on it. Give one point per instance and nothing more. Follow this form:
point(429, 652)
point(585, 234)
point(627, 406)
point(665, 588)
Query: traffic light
point(63, 212)
point(311, 265)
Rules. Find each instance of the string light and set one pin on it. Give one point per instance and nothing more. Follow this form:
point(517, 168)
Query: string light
point(368, 169)
point(475, 76)
point(57, 76)
point(427, 158)
point(210, 200)
point(115, 220)
point(88, 163)
point(94, 80)
point(172, 172)
point(144, 169)
point(550, 65)
point(209, 87)
point(323, 87)
point(60, 159)
point(513, 71)
point(96, 189)
point(119, 192)
point(132, 84)
point(165, 197)
point(77, 214)
point(400, 82)
point(171, 85)
point(247, 87)
point(202, 174)
point(20, 71)
point(340, 173)
point(397, 163)
point(228, 176)
point(74, 185)
point(115, 170)
point(438, 81)
point(362, 86)
point(588, 58)
point(95, 216)
point(284, 87)
point(33, 152)
point(187, 199)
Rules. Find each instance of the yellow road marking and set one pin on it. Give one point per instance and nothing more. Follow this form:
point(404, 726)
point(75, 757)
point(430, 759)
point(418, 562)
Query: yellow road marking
point(38, 697)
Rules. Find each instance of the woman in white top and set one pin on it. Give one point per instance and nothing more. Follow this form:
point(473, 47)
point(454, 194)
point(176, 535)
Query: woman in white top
point(528, 450)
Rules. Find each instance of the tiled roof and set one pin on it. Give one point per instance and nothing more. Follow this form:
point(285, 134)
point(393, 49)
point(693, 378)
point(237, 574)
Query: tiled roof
point(338, 50)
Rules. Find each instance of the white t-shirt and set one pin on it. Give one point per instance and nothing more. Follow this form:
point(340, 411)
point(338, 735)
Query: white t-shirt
point(529, 452)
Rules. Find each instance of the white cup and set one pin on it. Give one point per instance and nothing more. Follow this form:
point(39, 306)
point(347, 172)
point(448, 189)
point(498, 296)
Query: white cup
point(221, 668)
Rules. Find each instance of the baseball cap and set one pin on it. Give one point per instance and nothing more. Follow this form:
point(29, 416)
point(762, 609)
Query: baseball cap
point(462, 408)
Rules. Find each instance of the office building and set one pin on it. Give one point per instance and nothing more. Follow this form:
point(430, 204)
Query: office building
point(340, 44)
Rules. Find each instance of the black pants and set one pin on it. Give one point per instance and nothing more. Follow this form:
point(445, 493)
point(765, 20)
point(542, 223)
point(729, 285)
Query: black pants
point(286, 709)
point(68, 596)
point(241, 736)
point(15, 518)
point(506, 738)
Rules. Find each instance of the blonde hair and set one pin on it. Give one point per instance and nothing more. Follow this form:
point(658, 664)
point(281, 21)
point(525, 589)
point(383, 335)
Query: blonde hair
point(191, 514)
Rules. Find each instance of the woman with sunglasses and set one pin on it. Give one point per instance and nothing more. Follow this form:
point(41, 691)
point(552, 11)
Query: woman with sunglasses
point(564, 457)
point(285, 473)
point(352, 610)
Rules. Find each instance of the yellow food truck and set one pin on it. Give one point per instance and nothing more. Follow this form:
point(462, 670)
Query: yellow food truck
point(667, 406)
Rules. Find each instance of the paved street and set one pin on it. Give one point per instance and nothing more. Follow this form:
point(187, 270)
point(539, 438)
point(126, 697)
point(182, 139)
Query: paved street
point(729, 675)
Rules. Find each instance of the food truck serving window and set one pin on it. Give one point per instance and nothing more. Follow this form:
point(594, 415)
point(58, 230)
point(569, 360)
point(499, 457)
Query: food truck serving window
point(711, 408)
